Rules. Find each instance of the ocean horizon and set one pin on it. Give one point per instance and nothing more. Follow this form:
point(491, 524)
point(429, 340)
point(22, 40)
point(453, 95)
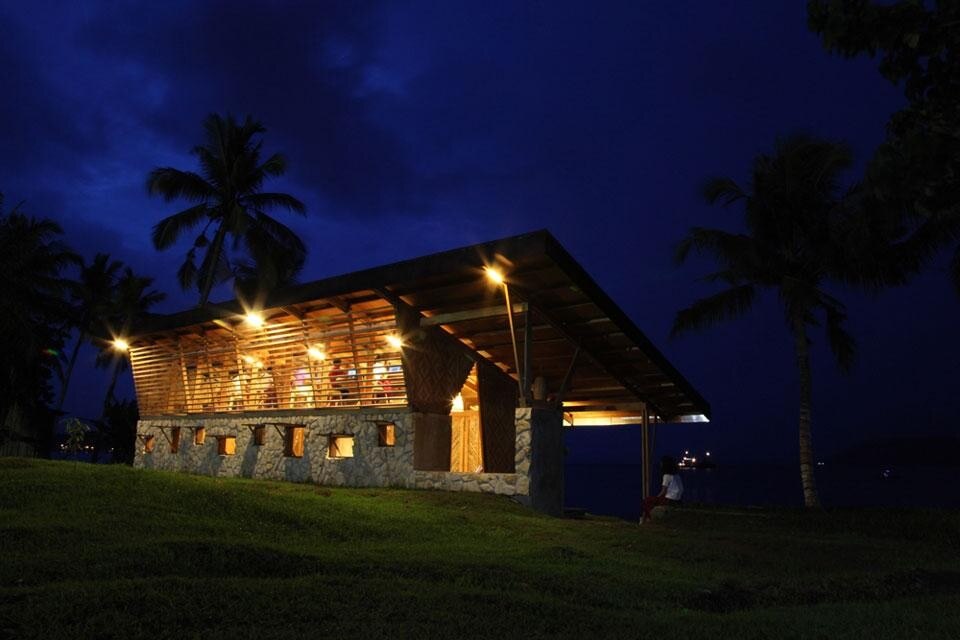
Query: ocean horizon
point(614, 489)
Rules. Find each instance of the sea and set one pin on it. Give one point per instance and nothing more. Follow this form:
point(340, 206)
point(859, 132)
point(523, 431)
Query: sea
point(614, 489)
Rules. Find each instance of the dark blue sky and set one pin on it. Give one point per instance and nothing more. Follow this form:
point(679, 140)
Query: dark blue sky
point(413, 127)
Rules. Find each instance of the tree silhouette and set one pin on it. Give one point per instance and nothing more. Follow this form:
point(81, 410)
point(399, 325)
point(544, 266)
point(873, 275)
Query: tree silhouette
point(92, 295)
point(915, 173)
point(132, 299)
point(228, 198)
point(802, 233)
point(35, 316)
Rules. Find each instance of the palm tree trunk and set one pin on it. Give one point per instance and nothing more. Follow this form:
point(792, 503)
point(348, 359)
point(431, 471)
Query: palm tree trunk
point(66, 377)
point(109, 398)
point(802, 346)
point(214, 252)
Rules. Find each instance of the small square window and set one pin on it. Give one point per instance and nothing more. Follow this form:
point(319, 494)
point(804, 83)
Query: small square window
point(199, 435)
point(293, 442)
point(340, 447)
point(174, 439)
point(259, 435)
point(226, 445)
point(387, 434)
point(148, 443)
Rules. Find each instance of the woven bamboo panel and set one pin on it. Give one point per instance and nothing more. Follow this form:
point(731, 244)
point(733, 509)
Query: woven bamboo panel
point(327, 358)
point(435, 364)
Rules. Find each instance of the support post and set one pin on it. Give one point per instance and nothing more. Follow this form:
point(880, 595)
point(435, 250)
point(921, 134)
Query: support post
point(645, 453)
point(527, 340)
point(513, 339)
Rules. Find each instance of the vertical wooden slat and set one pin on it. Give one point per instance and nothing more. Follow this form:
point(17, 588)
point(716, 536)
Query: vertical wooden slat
point(192, 373)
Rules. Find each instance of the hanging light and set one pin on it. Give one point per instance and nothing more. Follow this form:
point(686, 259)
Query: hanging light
point(494, 275)
point(254, 319)
point(121, 345)
point(395, 341)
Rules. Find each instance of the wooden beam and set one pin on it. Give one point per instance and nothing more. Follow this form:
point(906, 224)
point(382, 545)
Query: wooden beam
point(296, 313)
point(470, 314)
point(223, 324)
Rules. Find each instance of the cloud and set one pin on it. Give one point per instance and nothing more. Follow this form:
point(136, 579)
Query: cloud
point(299, 70)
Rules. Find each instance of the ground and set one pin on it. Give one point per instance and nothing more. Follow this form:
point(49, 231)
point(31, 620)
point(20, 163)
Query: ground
point(109, 551)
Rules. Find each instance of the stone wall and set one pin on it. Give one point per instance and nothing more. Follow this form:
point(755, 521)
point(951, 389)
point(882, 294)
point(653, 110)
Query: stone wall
point(371, 464)
point(511, 484)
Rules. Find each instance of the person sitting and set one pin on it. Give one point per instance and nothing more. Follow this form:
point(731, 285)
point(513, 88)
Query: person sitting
point(671, 490)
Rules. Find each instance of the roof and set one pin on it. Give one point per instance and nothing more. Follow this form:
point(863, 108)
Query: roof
point(616, 368)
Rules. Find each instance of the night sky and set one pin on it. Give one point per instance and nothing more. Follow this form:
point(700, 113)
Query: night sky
point(414, 127)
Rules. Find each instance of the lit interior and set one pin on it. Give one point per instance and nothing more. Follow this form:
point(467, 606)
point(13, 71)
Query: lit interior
point(293, 441)
point(226, 445)
point(340, 447)
point(322, 358)
point(466, 442)
point(387, 436)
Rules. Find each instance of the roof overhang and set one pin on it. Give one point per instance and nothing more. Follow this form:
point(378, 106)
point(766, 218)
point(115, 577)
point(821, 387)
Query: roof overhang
point(576, 332)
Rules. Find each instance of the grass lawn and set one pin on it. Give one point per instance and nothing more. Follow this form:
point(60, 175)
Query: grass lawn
point(108, 551)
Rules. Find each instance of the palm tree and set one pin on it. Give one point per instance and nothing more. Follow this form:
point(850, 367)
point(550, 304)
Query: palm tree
point(92, 294)
point(35, 313)
point(801, 234)
point(228, 199)
point(131, 301)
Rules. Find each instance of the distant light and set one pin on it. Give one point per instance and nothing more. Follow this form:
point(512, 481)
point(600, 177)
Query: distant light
point(686, 453)
point(494, 275)
point(254, 319)
point(316, 354)
point(708, 453)
point(395, 341)
point(121, 345)
point(693, 459)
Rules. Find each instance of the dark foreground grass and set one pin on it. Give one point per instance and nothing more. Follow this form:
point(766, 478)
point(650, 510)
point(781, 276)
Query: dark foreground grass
point(113, 552)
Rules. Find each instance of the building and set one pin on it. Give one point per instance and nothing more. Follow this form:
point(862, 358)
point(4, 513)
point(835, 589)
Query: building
point(453, 371)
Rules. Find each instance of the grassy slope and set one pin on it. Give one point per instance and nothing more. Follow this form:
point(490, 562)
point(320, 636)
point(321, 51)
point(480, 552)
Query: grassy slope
point(114, 552)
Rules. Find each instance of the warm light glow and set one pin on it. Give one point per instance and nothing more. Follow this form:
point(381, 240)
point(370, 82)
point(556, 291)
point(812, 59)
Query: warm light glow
point(494, 275)
point(316, 354)
point(395, 341)
point(254, 319)
point(457, 403)
point(121, 345)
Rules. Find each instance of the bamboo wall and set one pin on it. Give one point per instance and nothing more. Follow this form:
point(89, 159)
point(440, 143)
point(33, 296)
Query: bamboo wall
point(326, 358)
